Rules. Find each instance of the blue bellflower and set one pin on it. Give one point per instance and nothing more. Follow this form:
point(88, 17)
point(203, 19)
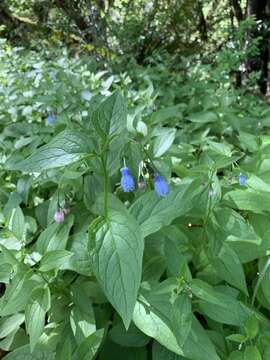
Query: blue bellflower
point(50, 119)
point(242, 180)
point(161, 186)
point(127, 182)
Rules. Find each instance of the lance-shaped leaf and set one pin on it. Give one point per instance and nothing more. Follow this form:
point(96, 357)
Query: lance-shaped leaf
point(66, 148)
point(116, 250)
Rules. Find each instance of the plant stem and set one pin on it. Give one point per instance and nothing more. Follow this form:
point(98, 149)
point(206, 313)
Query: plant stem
point(262, 275)
point(106, 182)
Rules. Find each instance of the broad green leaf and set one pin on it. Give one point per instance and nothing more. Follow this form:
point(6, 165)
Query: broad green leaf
point(116, 249)
point(64, 352)
point(154, 318)
point(82, 323)
point(66, 148)
point(55, 236)
point(89, 347)
point(239, 338)
point(159, 352)
point(24, 353)
point(5, 272)
point(236, 355)
point(252, 353)
point(9, 240)
point(156, 321)
point(257, 201)
point(229, 267)
point(56, 259)
point(238, 233)
point(37, 306)
point(10, 323)
point(153, 212)
point(80, 260)
point(219, 306)
point(17, 293)
point(16, 223)
point(110, 117)
point(132, 337)
point(163, 141)
point(203, 117)
point(252, 326)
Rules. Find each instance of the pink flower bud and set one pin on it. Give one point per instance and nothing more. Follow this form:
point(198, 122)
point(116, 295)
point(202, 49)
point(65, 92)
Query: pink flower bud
point(59, 216)
point(141, 183)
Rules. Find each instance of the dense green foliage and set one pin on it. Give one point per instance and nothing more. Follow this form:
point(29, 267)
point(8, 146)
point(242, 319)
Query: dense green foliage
point(90, 269)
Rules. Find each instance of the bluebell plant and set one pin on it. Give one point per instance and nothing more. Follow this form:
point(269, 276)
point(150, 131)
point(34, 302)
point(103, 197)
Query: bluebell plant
point(127, 181)
point(161, 186)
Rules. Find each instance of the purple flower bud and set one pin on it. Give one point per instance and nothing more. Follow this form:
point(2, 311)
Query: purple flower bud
point(59, 216)
point(50, 119)
point(161, 186)
point(127, 182)
point(242, 180)
point(141, 183)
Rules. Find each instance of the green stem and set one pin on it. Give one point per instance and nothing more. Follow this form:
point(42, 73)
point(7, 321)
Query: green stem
point(262, 275)
point(106, 182)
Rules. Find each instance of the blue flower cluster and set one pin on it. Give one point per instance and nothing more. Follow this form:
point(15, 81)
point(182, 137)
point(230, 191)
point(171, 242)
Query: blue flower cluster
point(127, 183)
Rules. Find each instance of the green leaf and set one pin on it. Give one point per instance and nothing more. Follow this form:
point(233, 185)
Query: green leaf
point(10, 323)
point(111, 116)
point(66, 148)
point(80, 261)
point(239, 338)
point(159, 352)
point(89, 347)
point(132, 337)
point(24, 353)
point(56, 259)
point(38, 304)
point(153, 212)
point(203, 117)
point(16, 223)
point(5, 273)
point(236, 355)
point(219, 306)
point(229, 268)
point(55, 236)
point(252, 327)
point(163, 141)
point(155, 317)
point(248, 200)
point(82, 323)
point(116, 249)
point(252, 353)
point(17, 293)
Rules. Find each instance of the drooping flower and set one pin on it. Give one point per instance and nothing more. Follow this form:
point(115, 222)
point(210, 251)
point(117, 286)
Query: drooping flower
point(161, 186)
point(50, 119)
point(141, 183)
point(242, 180)
point(59, 216)
point(127, 182)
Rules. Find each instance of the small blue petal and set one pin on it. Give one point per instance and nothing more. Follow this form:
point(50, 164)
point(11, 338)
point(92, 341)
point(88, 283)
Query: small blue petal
point(50, 119)
point(127, 182)
point(242, 179)
point(161, 186)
